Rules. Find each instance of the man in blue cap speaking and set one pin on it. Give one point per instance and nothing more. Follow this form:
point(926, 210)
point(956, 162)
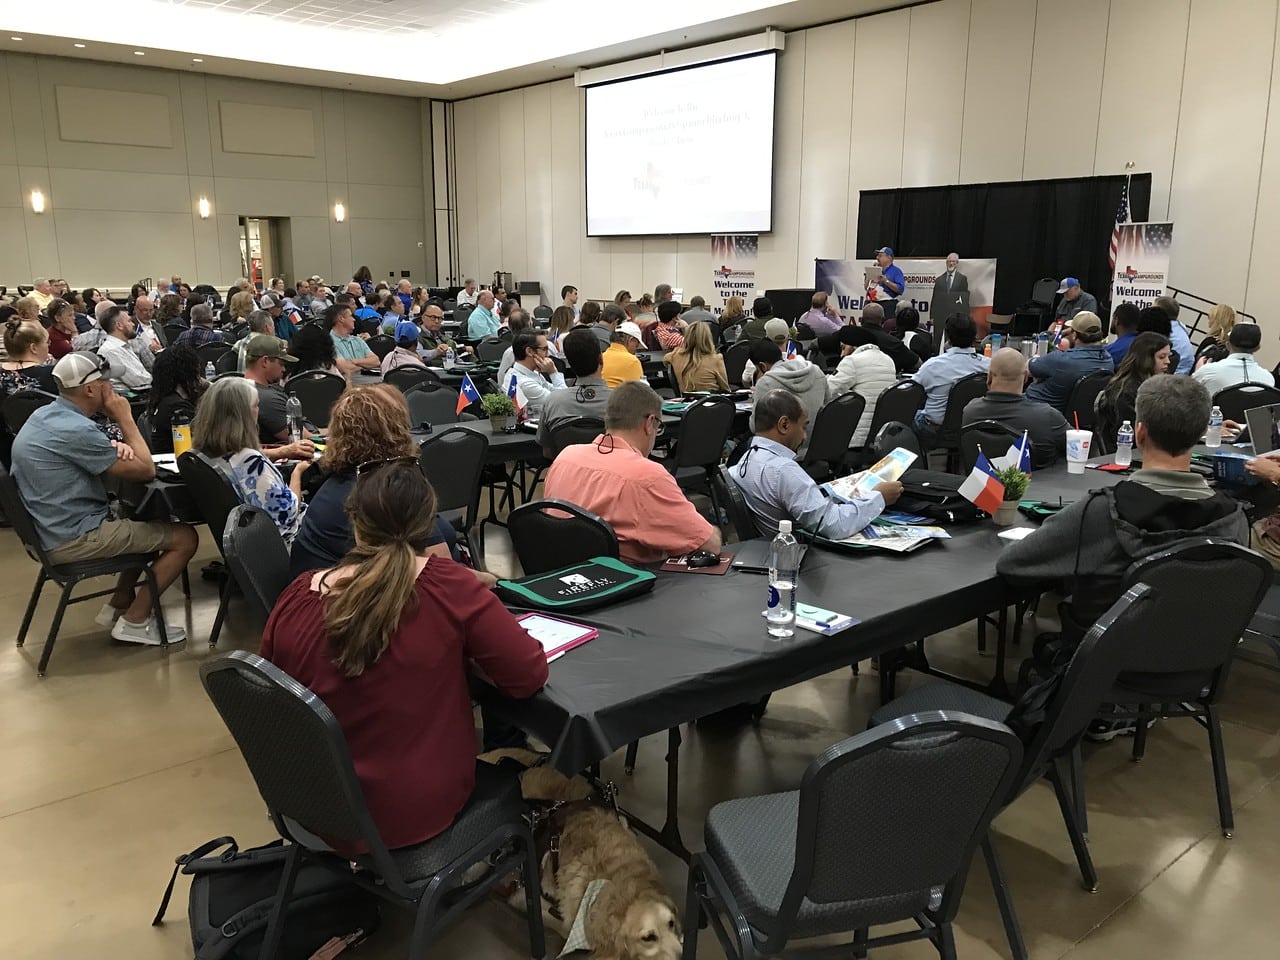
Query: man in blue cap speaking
point(889, 286)
point(1074, 300)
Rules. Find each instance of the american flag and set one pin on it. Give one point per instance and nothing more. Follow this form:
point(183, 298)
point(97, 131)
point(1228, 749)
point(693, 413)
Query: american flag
point(1122, 216)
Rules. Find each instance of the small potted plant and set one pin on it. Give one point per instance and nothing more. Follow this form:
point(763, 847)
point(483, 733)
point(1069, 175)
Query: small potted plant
point(1015, 485)
point(499, 407)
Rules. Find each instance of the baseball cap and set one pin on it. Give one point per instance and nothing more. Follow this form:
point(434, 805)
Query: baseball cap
point(1067, 282)
point(631, 330)
point(777, 330)
point(887, 251)
point(407, 332)
point(762, 307)
point(269, 301)
point(1245, 336)
point(78, 369)
point(1086, 323)
point(265, 345)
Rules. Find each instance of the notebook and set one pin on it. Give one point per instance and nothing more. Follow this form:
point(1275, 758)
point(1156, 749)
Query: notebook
point(752, 556)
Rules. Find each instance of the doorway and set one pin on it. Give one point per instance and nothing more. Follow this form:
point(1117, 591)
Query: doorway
point(266, 250)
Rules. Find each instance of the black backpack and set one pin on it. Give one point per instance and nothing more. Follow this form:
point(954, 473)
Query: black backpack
point(232, 896)
point(936, 495)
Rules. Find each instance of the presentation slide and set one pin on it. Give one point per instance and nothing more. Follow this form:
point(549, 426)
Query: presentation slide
point(688, 151)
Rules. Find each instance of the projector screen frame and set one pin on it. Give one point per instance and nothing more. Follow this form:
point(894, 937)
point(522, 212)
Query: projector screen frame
point(773, 145)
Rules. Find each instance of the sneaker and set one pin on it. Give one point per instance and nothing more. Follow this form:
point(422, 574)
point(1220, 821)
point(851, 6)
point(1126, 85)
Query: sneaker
point(1104, 729)
point(107, 615)
point(146, 633)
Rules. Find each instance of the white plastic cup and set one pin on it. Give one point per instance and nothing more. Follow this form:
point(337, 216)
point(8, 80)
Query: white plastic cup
point(1078, 444)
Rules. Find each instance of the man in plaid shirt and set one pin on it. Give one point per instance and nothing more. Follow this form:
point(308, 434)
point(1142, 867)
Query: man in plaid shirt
point(201, 330)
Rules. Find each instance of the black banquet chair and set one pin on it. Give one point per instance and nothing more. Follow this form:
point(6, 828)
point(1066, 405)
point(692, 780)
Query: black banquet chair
point(1234, 401)
point(214, 494)
point(228, 362)
point(898, 403)
point(574, 430)
point(734, 504)
point(317, 391)
point(831, 433)
point(963, 391)
point(453, 462)
point(299, 760)
point(892, 435)
point(704, 430)
point(432, 402)
point(256, 556)
point(883, 829)
point(408, 376)
point(551, 534)
point(381, 345)
point(491, 349)
point(735, 361)
point(19, 406)
point(212, 353)
point(1083, 397)
point(66, 575)
point(989, 436)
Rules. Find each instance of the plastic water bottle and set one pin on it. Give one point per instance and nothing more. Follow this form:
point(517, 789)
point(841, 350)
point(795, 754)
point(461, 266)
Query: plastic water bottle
point(1213, 436)
point(1124, 444)
point(784, 567)
point(996, 341)
point(209, 371)
point(450, 358)
point(293, 413)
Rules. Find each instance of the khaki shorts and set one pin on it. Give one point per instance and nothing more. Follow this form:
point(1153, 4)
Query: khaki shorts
point(1264, 544)
point(116, 538)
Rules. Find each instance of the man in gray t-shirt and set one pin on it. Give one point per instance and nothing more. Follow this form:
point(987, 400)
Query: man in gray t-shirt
point(588, 397)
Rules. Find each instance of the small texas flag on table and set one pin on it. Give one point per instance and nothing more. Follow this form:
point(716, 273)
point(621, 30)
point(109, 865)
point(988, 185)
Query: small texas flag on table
point(468, 394)
point(982, 487)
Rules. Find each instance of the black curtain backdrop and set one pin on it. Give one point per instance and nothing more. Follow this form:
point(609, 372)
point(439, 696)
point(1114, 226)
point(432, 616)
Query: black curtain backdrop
point(1034, 228)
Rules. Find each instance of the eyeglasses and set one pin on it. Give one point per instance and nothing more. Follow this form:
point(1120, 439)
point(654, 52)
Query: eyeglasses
point(371, 465)
point(661, 427)
point(104, 366)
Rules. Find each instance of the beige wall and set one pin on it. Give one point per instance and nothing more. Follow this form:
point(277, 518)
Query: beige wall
point(123, 154)
point(951, 92)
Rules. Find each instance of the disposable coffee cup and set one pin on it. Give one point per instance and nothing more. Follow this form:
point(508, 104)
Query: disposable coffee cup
point(1078, 444)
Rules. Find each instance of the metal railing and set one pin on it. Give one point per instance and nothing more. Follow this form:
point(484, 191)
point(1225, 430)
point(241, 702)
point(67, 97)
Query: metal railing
point(1200, 309)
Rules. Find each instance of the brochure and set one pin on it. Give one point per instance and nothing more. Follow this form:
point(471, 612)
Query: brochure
point(897, 539)
point(892, 467)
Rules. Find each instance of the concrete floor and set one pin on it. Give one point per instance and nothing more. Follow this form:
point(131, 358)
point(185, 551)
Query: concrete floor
point(117, 763)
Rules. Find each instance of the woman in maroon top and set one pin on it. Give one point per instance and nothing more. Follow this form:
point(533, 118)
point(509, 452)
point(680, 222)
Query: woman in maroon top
point(385, 639)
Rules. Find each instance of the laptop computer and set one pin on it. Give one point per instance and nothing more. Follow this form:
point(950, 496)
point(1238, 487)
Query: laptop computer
point(1264, 428)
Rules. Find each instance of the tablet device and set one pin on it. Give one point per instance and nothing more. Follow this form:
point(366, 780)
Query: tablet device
point(557, 637)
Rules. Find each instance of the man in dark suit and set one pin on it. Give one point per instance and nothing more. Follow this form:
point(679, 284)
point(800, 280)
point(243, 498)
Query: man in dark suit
point(950, 289)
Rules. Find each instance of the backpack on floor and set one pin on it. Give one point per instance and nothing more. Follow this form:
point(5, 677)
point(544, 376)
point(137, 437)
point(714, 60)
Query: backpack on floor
point(232, 896)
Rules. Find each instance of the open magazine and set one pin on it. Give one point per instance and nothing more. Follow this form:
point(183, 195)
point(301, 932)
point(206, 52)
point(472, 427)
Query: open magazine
point(896, 538)
point(892, 467)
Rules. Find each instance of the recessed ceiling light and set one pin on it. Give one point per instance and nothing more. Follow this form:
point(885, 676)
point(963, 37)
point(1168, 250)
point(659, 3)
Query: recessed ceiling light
point(15, 38)
point(196, 60)
point(78, 46)
point(138, 53)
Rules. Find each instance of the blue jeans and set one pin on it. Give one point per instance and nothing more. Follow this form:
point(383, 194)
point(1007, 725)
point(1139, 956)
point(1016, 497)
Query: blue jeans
point(926, 430)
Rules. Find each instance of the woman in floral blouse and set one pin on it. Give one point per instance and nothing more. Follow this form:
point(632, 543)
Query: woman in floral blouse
point(226, 428)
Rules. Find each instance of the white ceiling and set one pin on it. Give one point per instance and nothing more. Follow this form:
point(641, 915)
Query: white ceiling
point(427, 48)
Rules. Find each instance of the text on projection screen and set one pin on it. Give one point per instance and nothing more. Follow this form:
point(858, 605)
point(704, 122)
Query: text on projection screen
point(690, 151)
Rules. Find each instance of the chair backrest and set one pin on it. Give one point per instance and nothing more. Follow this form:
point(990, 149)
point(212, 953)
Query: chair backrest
point(992, 437)
point(896, 812)
point(408, 376)
point(833, 428)
point(172, 331)
point(551, 534)
point(899, 401)
point(1234, 401)
point(18, 407)
point(453, 461)
point(15, 511)
point(704, 429)
point(461, 313)
point(297, 756)
point(212, 353)
point(317, 391)
point(1083, 397)
point(542, 312)
point(143, 422)
point(257, 555)
point(381, 345)
point(228, 362)
point(566, 433)
point(1044, 290)
point(212, 490)
point(490, 349)
point(729, 495)
point(805, 332)
point(895, 434)
point(735, 361)
point(431, 402)
point(963, 392)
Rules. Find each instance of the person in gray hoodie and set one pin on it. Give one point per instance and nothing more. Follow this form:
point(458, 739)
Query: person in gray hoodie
point(797, 376)
point(1088, 547)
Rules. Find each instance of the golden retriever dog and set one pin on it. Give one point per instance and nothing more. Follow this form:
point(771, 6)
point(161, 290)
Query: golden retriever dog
point(632, 917)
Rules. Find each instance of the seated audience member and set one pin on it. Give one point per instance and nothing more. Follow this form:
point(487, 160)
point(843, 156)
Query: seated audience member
point(614, 478)
point(259, 322)
point(62, 328)
point(225, 428)
point(284, 324)
point(562, 321)
point(386, 638)
point(864, 369)
point(365, 312)
point(468, 296)
point(761, 313)
point(873, 322)
point(517, 324)
point(604, 327)
point(29, 308)
point(1155, 320)
point(482, 321)
point(432, 340)
point(314, 350)
point(149, 332)
point(1222, 320)
point(1057, 373)
point(798, 377)
point(406, 352)
point(907, 329)
point(535, 375)
point(1045, 427)
point(241, 304)
point(1087, 548)
point(671, 327)
point(1179, 339)
point(201, 330)
point(642, 312)
point(1074, 300)
point(777, 488)
point(1124, 324)
point(939, 374)
point(264, 367)
point(1148, 356)
point(589, 315)
point(696, 363)
point(27, 367)
point(776, 331)
point(176, 387)
point(620, 361)
point(92, 339)
point(352, 352)
point(698, 313)
point(60, 460)
point(42, 292)
point(1265, 533)
point(588, 397)
point(732, 319)
point(1239, 366)
point(367, 425)
point(822, 317)
point(392, 313)
point(126, 371)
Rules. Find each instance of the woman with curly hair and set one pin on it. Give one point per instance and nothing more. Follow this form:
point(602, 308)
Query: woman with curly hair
point(169, 310)
point(176, 386)
point(367, 425)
